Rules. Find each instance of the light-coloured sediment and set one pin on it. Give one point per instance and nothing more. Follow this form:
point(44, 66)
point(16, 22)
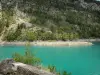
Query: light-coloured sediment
point(47, 43)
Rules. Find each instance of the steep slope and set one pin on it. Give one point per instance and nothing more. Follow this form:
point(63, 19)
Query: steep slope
point(49, 19)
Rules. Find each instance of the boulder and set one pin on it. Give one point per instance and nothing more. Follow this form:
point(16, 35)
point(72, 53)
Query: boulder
point(6, 66)
point(10, 67)
point(26, 25)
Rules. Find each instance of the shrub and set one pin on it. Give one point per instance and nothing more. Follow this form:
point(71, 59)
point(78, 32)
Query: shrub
point(27, 58)
point(53, 69)
point(30, 36)
point(65, 73)
point(12, 35)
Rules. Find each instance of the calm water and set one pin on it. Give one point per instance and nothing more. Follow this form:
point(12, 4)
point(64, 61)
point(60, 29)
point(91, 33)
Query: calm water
point(80, 60)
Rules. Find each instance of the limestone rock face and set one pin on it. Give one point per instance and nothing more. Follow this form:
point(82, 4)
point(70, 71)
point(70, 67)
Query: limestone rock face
point(6, 66)
point(27, 24)
point(10, 67)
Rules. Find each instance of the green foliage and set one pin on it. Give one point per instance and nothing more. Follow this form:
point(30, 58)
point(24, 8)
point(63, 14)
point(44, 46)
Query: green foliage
point(12, 35)
point(30, 36)
point(67, 36)
point(27, 35)
point(8, 16)
point(53, 69)
point(80, 22)
point(27, 58)
point(6, 19)
point(46, 36)
point(66, 21)
point(65, 73)
point(2, 24)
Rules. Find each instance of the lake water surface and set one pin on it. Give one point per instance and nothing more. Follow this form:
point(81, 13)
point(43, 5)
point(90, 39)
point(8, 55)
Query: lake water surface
point(79, 60)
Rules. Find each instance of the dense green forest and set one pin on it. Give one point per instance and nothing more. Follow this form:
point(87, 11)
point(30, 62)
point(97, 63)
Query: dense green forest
point(49, 20)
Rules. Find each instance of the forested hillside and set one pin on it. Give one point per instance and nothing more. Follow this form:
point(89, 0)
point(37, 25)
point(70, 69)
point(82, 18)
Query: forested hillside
point(49, 19)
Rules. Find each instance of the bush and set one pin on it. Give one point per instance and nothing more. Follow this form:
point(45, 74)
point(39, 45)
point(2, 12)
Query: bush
point(12, 35)
point(65, 73)
point(27, 58)
point(30, 36)
point(53, 69)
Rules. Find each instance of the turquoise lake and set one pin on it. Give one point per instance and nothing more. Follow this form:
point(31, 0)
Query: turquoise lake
point(79, 60)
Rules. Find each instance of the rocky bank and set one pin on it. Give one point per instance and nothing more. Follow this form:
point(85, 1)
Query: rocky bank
point(10, 67)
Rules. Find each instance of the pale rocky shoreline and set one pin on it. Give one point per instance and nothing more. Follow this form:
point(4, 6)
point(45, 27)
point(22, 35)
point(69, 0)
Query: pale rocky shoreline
point(47, 43)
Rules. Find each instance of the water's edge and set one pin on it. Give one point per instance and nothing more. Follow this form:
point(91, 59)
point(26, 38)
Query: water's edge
point(47, 43)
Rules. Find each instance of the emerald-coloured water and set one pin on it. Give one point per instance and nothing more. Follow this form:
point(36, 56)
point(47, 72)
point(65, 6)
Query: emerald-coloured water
point(79, 60)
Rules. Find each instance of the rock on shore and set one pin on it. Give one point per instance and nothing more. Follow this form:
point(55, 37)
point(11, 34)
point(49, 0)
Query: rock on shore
point(10, 67)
